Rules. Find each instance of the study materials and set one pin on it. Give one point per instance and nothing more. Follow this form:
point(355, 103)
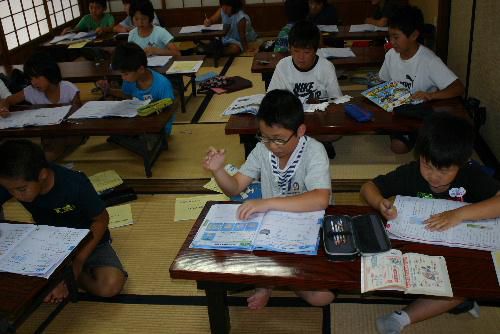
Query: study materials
point(358, 113)
point(313, 107)
point(411, 273)
point(496, 261)
point(366, 27)
point(34, 117)
point(187, 208)
point(245, 104)
point(336, 53)
point(105, 180)
point(278, 231)
point(328, 28)
point(412, 212)
point(73, 37)
point(205, 76)
point(120, 215)
point(36, 250)
point(154, 107)
point(201, 28)
point(185, 66)
point(388, 95)
point(345, 237)
point(155, 61)
point(78, 45)
point(102, 109)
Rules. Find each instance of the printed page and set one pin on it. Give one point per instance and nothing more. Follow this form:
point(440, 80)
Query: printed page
point(290, 232)
point(191, 29)
point(328, 28)
point(245, 104)
point(366, 27)
point(427, 275)
point(102, 109)
point(34, 117)
point(336, 52)
point(105, 180)
point(120, 215)
point(221, 229)
point(388, 95)
point(57, 39)
point(41, 250)
point(383, 271)
point(412, 212)
point(185, 66)
point(187, 208)
point(12, 234)
point(158, 60)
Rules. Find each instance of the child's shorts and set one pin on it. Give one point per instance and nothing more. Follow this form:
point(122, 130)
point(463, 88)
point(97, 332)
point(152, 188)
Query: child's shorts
point(103, 256)
point(409, 139)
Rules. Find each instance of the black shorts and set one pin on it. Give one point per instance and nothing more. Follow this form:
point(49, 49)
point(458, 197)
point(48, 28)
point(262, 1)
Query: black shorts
point(103, 256)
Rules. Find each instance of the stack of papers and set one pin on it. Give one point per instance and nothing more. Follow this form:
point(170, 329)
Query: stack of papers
point(36, 250)
point(34, 117)
point(336, 52)
point(101, 109)
point(105, 180)
point(366, 27)
point(185, 66)
point(155, 61)
point(120, 215)
point(71, 37)
point(328, 28)
point(244, 105)
point(200, 28)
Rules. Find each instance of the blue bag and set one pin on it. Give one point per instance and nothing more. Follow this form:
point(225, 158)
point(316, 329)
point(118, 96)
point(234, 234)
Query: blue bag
point(359, 114)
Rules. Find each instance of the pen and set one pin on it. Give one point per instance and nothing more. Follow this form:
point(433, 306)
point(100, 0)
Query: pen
point(479, 226)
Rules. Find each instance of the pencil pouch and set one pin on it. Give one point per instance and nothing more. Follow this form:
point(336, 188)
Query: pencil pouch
point(154, 107)
point(345, 237)
point(359, 114)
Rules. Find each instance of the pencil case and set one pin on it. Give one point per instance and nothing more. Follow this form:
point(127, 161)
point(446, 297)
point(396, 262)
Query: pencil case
point(154, 107)
point(345, 237)
point(359, 114)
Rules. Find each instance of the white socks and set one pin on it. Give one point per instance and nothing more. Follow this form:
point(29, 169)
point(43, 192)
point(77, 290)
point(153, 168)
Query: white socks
point(393, 323)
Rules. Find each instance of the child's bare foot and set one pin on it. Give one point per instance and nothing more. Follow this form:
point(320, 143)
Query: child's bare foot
point(259, 299)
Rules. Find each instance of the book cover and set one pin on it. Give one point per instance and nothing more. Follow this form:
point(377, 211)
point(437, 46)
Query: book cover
point(388, 95)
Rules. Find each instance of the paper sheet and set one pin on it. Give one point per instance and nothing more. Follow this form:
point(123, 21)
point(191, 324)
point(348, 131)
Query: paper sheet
point(336, 53)
point(105, 180)
point(328, 28)
point(120, 215)
point(200, 28)
point(187, 208)
point(158, 60)
point(185, 66)
point(12, 234)
point(78, 45)
point(245, 104)
point(366, 27)
point(102, 109)
point(34, 117)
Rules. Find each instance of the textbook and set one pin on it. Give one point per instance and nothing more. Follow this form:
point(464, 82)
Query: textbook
point(388, 95)
point(244, 105)
point(74, 37)
point(36, 250)
point(34, 117)
point(289, 232)
point(412, 273)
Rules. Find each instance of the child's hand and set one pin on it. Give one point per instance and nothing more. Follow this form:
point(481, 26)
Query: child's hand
point(57, 295)
point(67, 30)
point(103, 85)
point(425, 96)
point(214, 160)
point(207, 22)
point(443, 221)
point(99, 31)
point(150, 51)
point(387, 210)
point(248, 208)
point(4, 111)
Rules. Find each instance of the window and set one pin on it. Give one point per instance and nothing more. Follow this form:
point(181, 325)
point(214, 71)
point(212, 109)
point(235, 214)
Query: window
point(25, 20)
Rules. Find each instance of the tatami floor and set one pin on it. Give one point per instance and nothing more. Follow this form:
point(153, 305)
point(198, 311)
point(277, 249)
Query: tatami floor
point(151, 302)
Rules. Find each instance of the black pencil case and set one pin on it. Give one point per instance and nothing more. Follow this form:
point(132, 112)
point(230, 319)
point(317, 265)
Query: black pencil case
point(418, 111)
point(118, 195)
point(345, 237)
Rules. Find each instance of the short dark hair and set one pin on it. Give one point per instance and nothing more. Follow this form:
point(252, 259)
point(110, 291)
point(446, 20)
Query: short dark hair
point(21, 159)
point(296, 10)
point(42, 64)
point(235, 5)
point(304, 34)
point(143, 6)
point(103, 3)
point(324, 2)
point(445, 140)
point(281, 107)
point(407, 19)
point(128, 57)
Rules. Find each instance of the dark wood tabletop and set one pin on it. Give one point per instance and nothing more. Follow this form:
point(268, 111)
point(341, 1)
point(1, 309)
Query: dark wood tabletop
point(196, 36)
point(365, 56)
point(344, 34)
point(316, 272)
point(335, 121)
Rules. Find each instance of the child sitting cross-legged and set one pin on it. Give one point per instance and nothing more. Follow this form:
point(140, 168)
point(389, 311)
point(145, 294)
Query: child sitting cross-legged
point(293, 169)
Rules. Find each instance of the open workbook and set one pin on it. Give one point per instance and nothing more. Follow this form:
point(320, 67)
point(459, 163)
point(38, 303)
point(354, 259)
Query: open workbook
point(279, 231)
point(36, 250)
point(411, 273)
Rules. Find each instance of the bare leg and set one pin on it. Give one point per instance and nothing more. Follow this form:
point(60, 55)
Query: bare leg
point(232, 50)
point(317, 298)
point(428, 307)
point(259, 299)
point(103, 281)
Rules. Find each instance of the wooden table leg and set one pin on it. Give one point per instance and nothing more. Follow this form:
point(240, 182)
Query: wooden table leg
point(249, 142)
point(218, 310)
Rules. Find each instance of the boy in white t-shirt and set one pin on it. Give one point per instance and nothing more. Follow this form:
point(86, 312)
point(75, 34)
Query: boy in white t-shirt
point(416, 67)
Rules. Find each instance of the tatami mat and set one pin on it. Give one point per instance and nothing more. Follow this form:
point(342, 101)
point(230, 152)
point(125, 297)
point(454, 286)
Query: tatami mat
point(241, 66)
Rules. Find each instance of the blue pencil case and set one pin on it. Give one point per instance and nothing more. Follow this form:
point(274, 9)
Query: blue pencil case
point(359, 114)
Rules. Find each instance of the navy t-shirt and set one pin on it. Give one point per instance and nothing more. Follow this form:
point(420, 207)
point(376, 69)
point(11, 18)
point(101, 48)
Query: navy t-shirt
point(72, 202)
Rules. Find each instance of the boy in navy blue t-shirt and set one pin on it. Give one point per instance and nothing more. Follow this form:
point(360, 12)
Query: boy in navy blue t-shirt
point(58, 196)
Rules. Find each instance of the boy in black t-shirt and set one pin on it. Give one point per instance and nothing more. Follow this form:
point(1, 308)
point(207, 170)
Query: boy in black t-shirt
point(58, 196)
point(444, 147)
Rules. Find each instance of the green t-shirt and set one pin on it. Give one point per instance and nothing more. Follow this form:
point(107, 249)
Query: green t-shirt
point(87, 23)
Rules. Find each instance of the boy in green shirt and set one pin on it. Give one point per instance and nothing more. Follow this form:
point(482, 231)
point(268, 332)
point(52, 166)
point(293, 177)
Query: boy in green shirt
point(97, 20)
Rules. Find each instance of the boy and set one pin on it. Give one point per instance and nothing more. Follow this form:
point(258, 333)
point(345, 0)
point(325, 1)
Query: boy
point(295, 10)
point(444, 146)
point(138, 80)
point(416, 67)
point(58, 196)
point(126, 25)
point(97, 20)
point(293, 170)
point(322, 12)
point(384, 10)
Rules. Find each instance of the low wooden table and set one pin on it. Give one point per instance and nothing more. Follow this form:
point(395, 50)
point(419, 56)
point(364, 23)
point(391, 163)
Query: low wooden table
point(218, 272)
point(343, 34)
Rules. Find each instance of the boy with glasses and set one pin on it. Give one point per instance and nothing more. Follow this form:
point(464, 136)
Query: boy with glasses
point(293, 169)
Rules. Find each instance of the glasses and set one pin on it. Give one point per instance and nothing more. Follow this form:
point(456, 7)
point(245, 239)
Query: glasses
point(277, 141)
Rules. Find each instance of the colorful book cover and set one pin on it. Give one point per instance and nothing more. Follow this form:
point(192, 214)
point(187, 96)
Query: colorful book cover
point(388, 95)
